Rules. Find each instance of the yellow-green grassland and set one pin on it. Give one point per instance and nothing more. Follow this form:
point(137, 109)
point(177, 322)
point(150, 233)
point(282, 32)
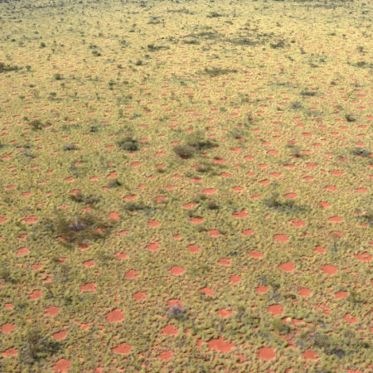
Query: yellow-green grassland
point(186, 186)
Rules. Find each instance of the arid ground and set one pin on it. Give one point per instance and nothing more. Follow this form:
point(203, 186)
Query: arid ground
point(186, 186)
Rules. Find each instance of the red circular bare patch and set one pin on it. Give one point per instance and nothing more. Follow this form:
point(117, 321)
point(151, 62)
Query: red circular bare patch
point(266, 353)
point(261, 289)
point(177, 271)
point(3, 219)
point(121, 256)
point(197, 220)
point(226, 262)
point(290, 195)
point(324, 204)
point(122, 349)
point(154, 223)
point(60, 335)
point(256, 255)
point(10, 352)
point(220, 345)
point(310, 355)
point(62, 366)
point(140, 296)
point(89, 263)
point(189, 205)
point(297, 223)
point(240, 214)
point(247, 232)
point(214, 233)
point(350, 319)
point(31, 219)
point(275, 309)
point(225, 313)
point(35, 294)
point(170, 330)
point(88, 288)
point(235, 279)
point(166, 355)
point(115, 316)
point(335, 219)
point(330, 188)
point(208, 292)
point(287, 267)
point(114, 216)
point(22, 251)
point(364, 257)
point(341, 294)
point(153, 246)
point(281, 237)
point(329, 269)
point(132, 274)
point(320, 250)
point(304, 292)
point(7, 328)
point(52, 311)
point(194, 248)
point(209, 191)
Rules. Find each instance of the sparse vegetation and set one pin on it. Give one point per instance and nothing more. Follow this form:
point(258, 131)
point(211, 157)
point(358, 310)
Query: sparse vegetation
point(186, 186)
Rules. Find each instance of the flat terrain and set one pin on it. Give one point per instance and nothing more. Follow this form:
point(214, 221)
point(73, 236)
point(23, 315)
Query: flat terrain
point(186, 186)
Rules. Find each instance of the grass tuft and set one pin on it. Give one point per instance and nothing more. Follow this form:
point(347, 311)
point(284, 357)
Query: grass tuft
point(129, 144)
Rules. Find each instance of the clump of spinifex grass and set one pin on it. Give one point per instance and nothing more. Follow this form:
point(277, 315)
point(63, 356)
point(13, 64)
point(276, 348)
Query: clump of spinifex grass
point(280, 327)
point(361, 152)
point(295, 151)
point(36, 347)
point(346, 344)
point(275, 203)
point(206, 203)
point(217, 71)
point(214, 15)
point(184, 151)
point(85, 199)
point(70, 147)
point(138, 207)
point(37, 124)
point(365, 216)
point(206, 167)
point(176, 312)
point(7, 275)
point(350, 118)
point(308, 93)
point(129, 144)
point(78, 229)
point(195, 144)
point(114, 183)
point(8, 68)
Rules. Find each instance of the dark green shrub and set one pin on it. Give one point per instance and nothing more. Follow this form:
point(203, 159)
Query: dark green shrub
point(129, 144)
point(184, 151)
